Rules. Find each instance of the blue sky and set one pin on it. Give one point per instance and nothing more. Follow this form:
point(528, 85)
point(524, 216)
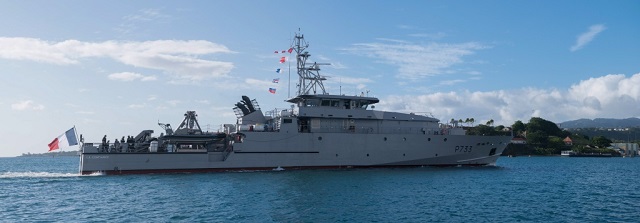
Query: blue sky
point(118, 67)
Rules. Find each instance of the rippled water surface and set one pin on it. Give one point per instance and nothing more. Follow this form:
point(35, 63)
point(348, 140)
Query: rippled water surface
point(539, 189)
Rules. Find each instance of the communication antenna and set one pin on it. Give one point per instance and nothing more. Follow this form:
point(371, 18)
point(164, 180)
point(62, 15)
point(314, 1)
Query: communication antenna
point(310, 80)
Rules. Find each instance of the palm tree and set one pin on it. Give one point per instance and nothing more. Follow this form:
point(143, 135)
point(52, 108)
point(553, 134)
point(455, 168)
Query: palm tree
point(490, 122)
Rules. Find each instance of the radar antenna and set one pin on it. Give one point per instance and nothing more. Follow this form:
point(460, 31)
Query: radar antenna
point(310, 80)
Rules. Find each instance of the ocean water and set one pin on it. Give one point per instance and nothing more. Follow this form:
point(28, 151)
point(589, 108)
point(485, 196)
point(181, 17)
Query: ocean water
point(520, 189)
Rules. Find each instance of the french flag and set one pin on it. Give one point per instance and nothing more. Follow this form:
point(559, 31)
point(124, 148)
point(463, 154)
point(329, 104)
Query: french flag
point(272, 90)
point(65, 140)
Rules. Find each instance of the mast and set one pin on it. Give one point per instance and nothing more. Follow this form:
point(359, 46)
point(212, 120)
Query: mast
point(310, 81)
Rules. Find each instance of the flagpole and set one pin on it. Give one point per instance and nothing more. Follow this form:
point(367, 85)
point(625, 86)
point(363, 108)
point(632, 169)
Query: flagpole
point(289, 81)
point(81, 144)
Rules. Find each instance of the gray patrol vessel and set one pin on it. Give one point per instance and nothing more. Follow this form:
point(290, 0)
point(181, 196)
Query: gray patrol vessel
point(320, 130)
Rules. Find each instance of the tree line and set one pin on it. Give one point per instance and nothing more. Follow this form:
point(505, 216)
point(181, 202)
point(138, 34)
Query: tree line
point(543, 137)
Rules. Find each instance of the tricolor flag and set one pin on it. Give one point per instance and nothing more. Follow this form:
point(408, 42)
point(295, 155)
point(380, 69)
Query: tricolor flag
point(65, 140)
point(282, 59)
point(290, 50)
point(272, 90)
point(276, 80)
point(278, 70)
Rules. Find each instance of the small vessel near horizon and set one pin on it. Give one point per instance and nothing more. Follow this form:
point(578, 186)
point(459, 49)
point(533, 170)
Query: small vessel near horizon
point(319, 131)
point(571, 153)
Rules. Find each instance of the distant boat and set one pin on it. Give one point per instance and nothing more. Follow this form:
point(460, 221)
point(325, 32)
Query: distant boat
point(571, 153)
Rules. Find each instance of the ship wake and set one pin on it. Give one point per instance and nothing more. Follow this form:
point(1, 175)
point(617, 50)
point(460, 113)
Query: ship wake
point(29, 174)
point(37, 175)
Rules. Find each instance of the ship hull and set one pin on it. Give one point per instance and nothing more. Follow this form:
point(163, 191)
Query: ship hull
point(274, 150)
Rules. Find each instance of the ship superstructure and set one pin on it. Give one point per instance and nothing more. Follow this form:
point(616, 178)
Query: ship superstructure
point(320, 130)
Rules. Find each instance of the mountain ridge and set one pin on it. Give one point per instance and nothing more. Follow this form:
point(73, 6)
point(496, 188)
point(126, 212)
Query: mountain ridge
point(601, 123)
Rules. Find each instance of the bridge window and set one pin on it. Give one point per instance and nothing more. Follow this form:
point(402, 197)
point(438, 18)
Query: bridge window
point(287, 120)
point(311, 103)
point(364, 104)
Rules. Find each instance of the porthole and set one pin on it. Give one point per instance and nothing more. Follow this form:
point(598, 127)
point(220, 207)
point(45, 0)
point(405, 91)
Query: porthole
point(429, 139)
point(336, 155)
point(436, 154)
point(367, 154)
point(403, 154)
point(319, 138)
point(445, 139)
point(405, 138)
point(385, 138)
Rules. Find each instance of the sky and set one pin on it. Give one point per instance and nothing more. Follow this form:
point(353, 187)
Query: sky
point(118, 67)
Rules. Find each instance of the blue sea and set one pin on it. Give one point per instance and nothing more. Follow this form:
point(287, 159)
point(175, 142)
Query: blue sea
point(519, 189)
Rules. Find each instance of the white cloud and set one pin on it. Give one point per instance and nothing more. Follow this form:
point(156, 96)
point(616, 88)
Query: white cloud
point(146, 15)
point(174, 57)
point(402, 26)
point(205, 102)
point(474, 72)
point(438, 35)
point(610, 96)
point(174, 102)
point(149, 78)
point(130, 22)
point(452, 82)
point(418, 61)
point(257, 84)
point(338, 65)
point(26, 105)
point(585, 38)
point(90, 121)
point(72, 105)
point(129, 76)
point(85, 112)
point(348, 80)
point(152, 97)
point(137, 106)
